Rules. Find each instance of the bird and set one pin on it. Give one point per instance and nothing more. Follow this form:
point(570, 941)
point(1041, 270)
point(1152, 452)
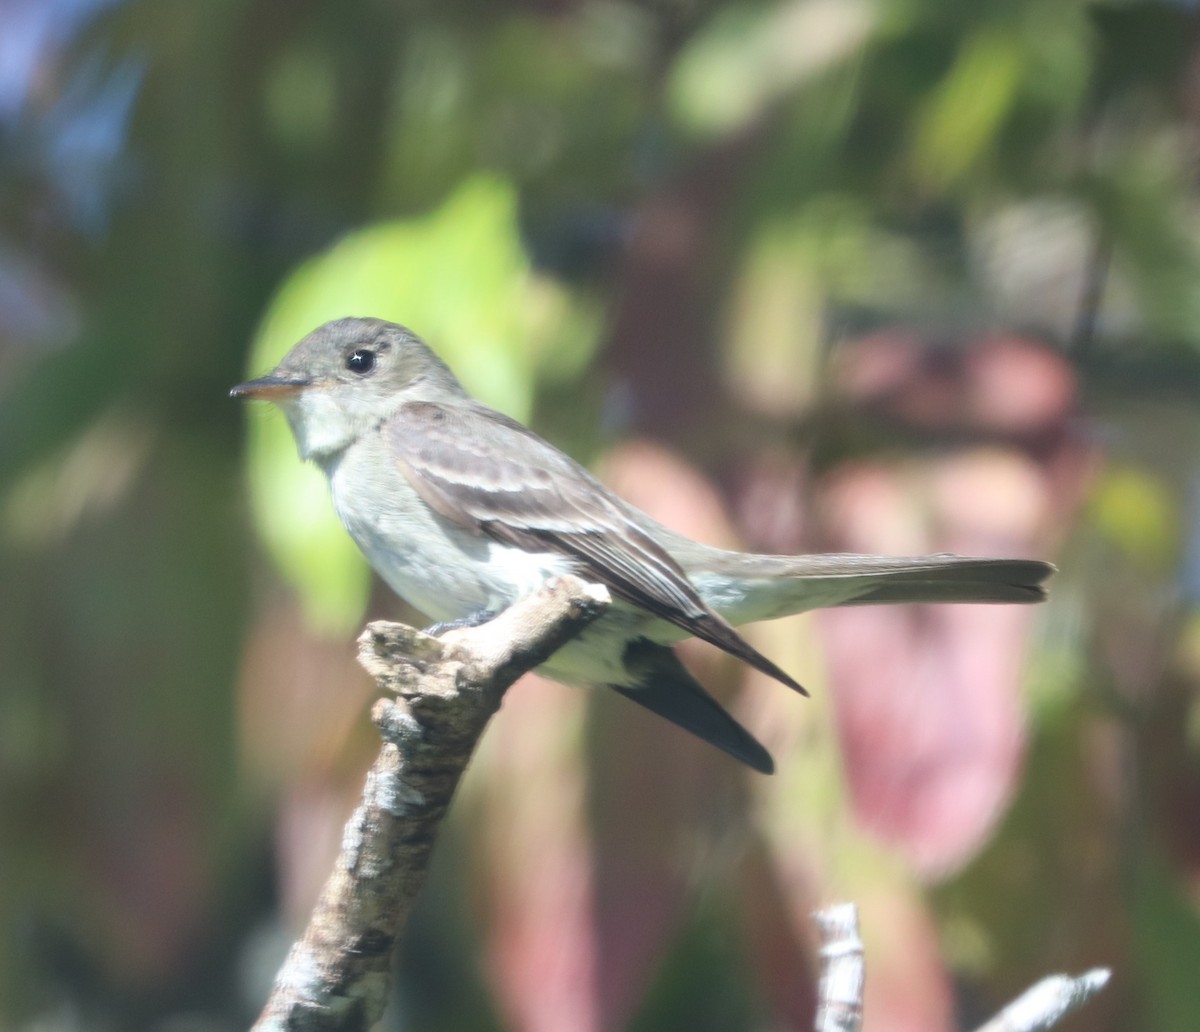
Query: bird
point(463, 510)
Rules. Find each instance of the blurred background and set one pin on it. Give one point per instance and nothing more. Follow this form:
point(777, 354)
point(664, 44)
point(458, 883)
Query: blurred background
point(894, 276)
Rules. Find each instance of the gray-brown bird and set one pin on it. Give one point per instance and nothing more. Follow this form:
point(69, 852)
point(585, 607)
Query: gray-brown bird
point(462, 511)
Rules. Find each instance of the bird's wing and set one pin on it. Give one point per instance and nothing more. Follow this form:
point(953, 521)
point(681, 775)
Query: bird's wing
point(492, 476)
point(662, 685)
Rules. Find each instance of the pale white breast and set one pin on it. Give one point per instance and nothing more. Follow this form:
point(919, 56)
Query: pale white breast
point(442, 570)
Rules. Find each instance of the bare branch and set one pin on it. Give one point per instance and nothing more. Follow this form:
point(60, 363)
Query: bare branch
point(1048, 1002)
point(843, 970)
point(840, 995)
point(336, 975)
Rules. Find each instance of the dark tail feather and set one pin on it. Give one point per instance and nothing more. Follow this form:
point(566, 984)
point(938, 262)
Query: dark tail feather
point(847, 580)
point(952, 578)
point(666, 688)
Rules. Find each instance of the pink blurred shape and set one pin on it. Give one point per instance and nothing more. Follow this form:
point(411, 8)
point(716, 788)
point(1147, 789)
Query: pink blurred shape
point(1002, 384)
point(928, 704)
point(929, 716)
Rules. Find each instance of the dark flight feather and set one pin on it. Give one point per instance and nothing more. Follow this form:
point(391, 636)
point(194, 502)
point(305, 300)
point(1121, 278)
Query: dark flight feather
point(663, 686)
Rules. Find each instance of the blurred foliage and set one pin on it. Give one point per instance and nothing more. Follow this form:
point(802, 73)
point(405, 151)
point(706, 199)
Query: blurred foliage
point(903, 274)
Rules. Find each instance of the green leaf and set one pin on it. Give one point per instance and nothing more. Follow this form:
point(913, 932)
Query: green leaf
point(1134, 510)
point(964, 113)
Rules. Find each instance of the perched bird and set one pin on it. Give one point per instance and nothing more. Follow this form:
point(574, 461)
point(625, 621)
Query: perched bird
point(462, 511)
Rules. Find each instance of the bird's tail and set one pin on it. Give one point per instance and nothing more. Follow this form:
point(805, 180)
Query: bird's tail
point(744, 588)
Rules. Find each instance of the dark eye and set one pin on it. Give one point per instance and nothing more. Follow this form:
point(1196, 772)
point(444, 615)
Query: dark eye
point(361, 361)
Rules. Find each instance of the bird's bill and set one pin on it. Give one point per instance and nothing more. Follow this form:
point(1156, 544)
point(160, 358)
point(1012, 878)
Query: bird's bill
point(271, 387)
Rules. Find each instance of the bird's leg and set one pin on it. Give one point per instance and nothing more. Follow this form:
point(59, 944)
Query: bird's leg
point(470, 620)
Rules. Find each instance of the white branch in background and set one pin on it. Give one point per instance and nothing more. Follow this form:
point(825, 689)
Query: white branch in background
point(1048, 1002)
point(843, 969)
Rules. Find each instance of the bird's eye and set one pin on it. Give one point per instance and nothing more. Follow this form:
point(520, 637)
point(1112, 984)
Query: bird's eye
point(361, 361)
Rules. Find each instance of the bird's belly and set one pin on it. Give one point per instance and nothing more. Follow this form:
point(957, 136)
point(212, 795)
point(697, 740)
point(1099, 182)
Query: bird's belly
point(597, 655)
point(437, 567)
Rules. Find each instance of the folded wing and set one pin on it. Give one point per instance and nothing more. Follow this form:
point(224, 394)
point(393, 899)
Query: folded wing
point(492, 476)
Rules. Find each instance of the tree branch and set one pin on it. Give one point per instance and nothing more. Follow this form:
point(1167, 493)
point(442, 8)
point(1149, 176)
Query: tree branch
point(840, 991)
point(1043, 1005)
point(336, 975)
point(843, 973)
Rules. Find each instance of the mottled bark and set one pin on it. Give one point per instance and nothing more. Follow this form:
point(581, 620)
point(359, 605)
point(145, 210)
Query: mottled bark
point(447, 688)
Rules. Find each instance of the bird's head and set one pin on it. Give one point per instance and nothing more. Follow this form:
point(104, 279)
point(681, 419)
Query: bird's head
point(346, 377)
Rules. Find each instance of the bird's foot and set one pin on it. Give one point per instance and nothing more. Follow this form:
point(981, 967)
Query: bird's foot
point(470, 620)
